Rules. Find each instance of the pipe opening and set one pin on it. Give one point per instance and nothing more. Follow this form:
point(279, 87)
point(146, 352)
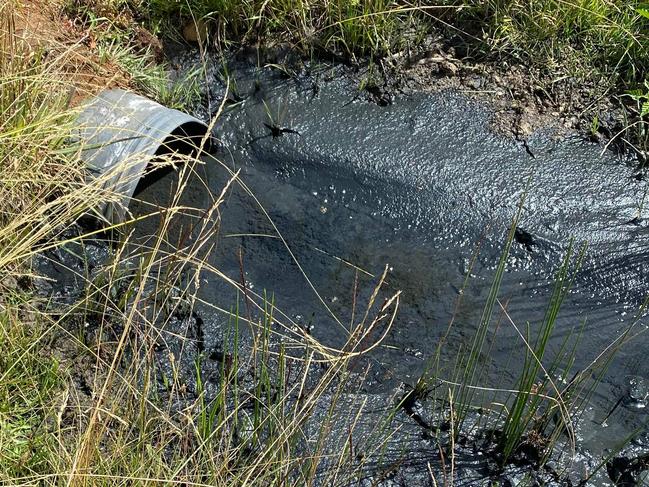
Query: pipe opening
point(184, 140)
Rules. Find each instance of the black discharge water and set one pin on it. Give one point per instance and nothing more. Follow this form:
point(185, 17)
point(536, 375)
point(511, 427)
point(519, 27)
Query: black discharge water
point(422, 185)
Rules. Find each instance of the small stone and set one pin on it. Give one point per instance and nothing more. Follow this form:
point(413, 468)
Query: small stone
point(448, 67)
point(525, 128)
point(476, 82)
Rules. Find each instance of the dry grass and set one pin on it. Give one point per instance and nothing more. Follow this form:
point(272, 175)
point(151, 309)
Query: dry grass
point(77, 409)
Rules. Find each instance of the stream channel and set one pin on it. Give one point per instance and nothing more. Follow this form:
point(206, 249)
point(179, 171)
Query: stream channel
point(422, 185)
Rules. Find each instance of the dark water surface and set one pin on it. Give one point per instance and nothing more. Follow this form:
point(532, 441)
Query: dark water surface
point(418, 186)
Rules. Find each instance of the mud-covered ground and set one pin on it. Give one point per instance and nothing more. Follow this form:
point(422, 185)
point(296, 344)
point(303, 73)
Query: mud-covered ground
point(522, 98)
point(421, 172)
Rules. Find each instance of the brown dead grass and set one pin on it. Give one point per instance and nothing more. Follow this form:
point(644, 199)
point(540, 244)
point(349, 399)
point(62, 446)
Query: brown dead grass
point(41, 25)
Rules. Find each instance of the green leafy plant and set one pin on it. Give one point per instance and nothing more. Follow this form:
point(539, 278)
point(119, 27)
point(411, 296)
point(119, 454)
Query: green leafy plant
point(641, 97)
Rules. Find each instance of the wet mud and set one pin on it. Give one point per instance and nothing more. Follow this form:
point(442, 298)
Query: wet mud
point(344, 187)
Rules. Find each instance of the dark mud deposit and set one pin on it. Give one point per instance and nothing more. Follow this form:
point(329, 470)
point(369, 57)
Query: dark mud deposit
point(419, 184)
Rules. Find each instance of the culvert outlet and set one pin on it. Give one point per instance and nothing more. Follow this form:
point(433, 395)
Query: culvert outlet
point(121, 134)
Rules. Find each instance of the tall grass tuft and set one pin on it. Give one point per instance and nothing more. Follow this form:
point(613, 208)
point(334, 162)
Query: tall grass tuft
point(534, 390)
point(610, 35)
point(347, 27)
point(470, 364)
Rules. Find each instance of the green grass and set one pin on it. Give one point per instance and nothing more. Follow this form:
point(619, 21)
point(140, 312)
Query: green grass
point(347, 27)
point(112, 37)
point(149, 77)
point(29, 385)
point(535, 385)
point(539, 410)
point(611, 36)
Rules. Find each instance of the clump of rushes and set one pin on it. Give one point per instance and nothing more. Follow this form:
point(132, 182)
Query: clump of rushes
point(535, 390)
point(549, 396)
point(470, 365)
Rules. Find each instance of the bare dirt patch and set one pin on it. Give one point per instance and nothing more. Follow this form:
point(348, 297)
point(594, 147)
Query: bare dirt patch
point(43, 26)
point(523, 98)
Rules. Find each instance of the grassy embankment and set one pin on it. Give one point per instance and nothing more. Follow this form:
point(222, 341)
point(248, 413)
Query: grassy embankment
point(125, 427)
point(595, 49)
